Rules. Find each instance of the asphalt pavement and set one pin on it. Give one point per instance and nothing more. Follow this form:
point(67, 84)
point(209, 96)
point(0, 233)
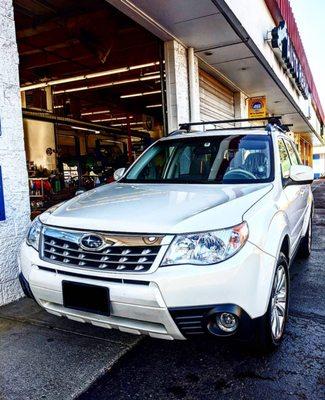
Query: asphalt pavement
point(208, 369)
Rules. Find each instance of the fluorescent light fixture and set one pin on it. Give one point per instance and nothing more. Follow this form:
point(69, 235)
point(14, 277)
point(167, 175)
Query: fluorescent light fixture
point(72, 90)
point(88, 76)
point(111, 119)
point(85, 129)
point(154, 105)
point(148, 78)
point(139, 66)
point(95, 112)
point(126, 96)
point(151, 73)
point(115, 83)
point(131, 123)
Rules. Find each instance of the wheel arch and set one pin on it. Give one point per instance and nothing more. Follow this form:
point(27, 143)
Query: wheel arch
point(285, 247)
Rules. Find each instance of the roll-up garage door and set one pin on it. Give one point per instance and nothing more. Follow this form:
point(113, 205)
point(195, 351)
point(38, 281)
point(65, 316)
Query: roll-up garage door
point(216, 100)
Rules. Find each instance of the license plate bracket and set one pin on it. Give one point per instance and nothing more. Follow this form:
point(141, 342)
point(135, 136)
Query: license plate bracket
point(85, 297)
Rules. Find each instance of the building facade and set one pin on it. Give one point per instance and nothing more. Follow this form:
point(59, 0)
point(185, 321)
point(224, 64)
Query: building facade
point(206, 60)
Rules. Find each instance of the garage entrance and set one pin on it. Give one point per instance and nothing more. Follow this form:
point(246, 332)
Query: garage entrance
point(216, 100)
point(92, 90)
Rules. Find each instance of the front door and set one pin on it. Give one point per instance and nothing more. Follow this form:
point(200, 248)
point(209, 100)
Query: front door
point(295, 195)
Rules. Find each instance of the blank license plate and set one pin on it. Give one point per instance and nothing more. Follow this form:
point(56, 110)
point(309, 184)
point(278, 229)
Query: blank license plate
point(84, 297)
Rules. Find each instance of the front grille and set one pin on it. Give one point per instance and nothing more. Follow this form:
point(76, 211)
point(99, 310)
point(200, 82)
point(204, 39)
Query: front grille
point(63, 247)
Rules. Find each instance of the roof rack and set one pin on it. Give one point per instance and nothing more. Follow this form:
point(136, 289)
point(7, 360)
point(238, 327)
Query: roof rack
point(273, 122)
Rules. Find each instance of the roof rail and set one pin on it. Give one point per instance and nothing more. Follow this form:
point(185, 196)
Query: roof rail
point(177, 132)
point(271, 120)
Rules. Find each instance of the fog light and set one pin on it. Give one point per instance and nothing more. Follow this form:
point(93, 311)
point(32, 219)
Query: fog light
point(227, 322)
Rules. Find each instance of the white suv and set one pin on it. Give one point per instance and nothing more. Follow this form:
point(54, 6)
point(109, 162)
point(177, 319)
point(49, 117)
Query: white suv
point(195, 237)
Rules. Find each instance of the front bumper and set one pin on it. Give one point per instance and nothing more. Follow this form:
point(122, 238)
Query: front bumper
point(150, 303)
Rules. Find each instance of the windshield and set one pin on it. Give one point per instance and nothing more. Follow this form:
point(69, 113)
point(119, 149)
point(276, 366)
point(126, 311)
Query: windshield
point(215, 159)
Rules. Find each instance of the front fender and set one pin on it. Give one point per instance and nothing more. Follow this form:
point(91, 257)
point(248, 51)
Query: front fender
point(268, 225)
point(277, 231)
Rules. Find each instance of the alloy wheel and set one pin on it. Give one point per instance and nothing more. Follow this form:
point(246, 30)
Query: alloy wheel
point(279, 302)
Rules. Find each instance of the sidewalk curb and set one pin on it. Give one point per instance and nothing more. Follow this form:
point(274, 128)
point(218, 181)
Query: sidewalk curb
point(111, 368)
point(52, 357)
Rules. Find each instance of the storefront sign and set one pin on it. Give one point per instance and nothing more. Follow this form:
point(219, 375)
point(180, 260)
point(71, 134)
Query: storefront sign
point(257, 107)
point(283, 48)
point(2, 201)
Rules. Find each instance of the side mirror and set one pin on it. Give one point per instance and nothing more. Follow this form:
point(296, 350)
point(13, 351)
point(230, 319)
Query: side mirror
point(301, 175)
point(118, 174)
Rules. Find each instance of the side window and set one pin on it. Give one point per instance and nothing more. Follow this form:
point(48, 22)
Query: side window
point(292, 153)
point(284, 159)
point(295, 149)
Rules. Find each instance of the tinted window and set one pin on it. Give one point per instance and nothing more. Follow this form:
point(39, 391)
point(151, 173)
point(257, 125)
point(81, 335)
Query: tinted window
point(284, 159)
point(294, 158)
point(215, 159)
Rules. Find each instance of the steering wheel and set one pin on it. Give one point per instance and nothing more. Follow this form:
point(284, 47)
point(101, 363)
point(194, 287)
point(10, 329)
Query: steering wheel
point(239, 174)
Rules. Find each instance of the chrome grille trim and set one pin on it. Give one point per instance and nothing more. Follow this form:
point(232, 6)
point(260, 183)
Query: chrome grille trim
point(120, 253)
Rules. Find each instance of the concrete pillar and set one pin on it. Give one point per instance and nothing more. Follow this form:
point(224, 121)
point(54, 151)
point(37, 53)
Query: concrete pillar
point(12, 159)
point(49, 98)
point(23, 99)
point(194, 86)
point(240, 105)
point(177, 87)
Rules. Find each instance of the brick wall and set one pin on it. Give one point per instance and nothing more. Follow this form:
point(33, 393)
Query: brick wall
point(12, 158)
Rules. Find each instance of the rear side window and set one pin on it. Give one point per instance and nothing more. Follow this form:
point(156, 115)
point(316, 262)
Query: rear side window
point(284, 159)
point(294, 157)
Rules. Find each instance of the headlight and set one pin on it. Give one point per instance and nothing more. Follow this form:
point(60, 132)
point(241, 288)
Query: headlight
point(206, 247)
point(34, 234)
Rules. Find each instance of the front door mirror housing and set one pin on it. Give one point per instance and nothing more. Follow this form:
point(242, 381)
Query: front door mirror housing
point(118, 174)
point(301, 175)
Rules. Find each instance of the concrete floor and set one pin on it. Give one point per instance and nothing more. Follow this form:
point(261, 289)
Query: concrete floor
point(46, 357)
point(206, 369)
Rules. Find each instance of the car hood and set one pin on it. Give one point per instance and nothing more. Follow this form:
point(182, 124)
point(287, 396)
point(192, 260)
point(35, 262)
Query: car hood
point(157, 208)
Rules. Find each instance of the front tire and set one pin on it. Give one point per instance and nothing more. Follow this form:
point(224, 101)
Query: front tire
point(271, 327)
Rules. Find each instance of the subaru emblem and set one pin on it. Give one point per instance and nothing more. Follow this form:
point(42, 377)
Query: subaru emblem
point(91, 242)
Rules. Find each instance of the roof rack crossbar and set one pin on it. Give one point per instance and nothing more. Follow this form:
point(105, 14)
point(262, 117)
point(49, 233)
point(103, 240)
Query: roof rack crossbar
point(237, 128)
point(282, 127)
point(272, 120)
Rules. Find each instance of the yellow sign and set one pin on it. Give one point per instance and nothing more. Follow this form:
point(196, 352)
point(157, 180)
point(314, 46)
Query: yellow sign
point(257, 107)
